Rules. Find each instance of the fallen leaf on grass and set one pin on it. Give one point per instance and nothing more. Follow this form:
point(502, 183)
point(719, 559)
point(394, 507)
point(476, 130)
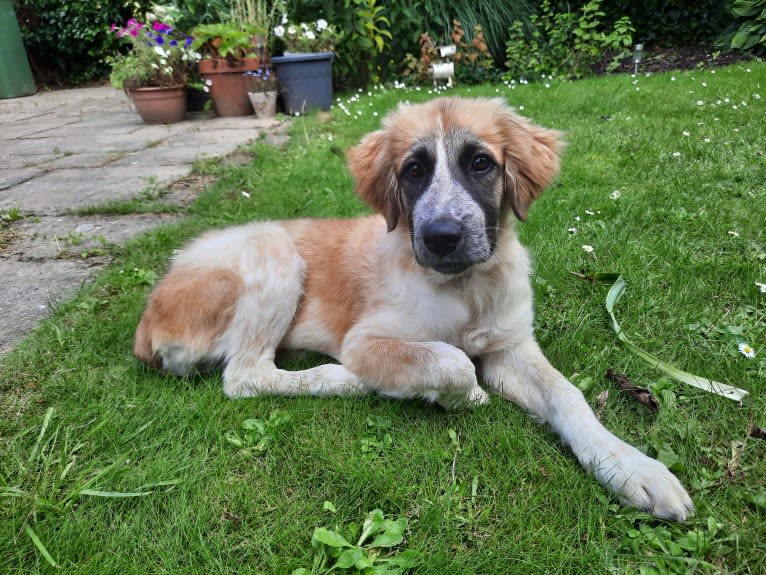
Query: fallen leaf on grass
point(614, 295)
point(602, 399)
point(756, 432)
point(640, 394)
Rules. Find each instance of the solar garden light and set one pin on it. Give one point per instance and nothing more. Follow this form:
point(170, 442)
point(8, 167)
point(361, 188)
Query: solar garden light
point(638, 55)
point(444, 70)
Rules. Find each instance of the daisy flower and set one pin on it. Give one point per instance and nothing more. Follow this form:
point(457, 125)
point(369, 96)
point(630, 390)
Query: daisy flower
point(746, 350)
point(761, 287)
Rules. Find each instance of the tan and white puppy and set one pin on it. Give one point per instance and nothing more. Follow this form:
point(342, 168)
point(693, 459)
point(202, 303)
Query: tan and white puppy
point(403, 300)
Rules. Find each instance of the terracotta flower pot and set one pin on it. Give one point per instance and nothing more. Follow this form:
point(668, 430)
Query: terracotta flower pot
point(228, 87)
point(160, 105)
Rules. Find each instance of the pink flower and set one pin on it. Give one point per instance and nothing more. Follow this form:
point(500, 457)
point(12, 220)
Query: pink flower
point(160, 27)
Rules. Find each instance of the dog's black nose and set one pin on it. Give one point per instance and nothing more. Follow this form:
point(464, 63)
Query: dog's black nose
point(441, 237)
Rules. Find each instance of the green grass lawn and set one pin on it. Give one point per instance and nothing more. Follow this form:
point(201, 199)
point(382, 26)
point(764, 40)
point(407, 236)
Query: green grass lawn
point(111, 468)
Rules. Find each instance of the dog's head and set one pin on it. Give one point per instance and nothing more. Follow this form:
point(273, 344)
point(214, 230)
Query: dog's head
point(451, 170)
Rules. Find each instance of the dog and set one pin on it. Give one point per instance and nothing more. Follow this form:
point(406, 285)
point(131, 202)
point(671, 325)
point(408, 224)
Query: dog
point(406, 299)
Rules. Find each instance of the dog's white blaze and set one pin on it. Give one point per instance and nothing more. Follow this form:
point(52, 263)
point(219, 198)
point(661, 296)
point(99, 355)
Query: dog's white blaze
point(445, 197)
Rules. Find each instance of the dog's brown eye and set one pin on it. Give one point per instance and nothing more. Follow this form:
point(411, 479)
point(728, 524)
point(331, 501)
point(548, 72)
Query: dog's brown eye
point(481, 164)
point(414, 171)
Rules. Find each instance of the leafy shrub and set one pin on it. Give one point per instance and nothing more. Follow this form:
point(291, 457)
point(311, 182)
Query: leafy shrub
point(473, 62)
point(416, 69)
point(673, 22)
point(495, 19)
point(749, 29)
point(563, 43)
point(365, 36)
point(68, 42)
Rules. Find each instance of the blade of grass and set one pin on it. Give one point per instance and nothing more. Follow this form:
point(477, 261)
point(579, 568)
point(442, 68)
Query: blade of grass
point(43, 429)
point(614, 295)
point(40, 547)
point(117, 494)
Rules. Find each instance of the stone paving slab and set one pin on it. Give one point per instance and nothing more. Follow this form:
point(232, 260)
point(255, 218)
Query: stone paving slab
point(68, 149)
point(30, 289)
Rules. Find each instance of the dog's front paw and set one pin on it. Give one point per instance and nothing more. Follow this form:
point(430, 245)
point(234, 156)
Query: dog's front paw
point(645, 483)
point(456, 384)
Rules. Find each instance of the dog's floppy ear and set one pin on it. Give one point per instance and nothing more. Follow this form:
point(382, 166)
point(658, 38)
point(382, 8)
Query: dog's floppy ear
point(371, 165)
point(531, 161)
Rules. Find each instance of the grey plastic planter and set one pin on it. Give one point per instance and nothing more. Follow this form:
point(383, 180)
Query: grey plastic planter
point(305, 81)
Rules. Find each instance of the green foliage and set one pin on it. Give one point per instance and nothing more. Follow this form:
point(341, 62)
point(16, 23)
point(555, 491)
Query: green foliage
point(159, 57)
point(365, 36)
point(673, 22)
point(192, 13)
point(564, 43)
point(228, 40)
point(333, 553)
point(68, 42)
point(416, 69)
point(749, 29)
point(495, 19)
point(259, 433)
point(473, 61)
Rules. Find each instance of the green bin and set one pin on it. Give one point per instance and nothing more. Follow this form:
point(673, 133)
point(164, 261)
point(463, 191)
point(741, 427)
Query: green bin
point(15, 75)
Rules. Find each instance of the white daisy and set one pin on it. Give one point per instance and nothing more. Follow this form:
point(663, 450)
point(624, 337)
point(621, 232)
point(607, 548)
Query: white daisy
point(746, 350)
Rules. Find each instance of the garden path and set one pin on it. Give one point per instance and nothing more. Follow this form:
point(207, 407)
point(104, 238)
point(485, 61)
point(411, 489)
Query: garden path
point(66, 150)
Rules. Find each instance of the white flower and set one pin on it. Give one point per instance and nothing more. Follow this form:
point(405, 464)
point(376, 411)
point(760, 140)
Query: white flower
point(686, 134)
point(756, 96)
point(291, 30)
point(676, 154)
point(161, 51)
point(761, 287)
point(615, 194)
point(734, 233)
point(310, 35)
point(572, 230)
point(279, 31)
point(746, 350)
point(590, 212)
point(284, 18)
point(588, 249)
point(321, 24)
point(700, 103)
point(246, 194)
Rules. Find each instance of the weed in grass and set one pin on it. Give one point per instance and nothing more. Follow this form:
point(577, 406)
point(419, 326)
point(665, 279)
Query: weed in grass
point(335, 554)
point(379, 438)
point(258, 433)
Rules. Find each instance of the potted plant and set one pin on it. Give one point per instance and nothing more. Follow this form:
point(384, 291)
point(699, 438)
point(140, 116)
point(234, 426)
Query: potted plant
point(305, 69)
point(155, 70)
point(262, 91)
point(231, 47)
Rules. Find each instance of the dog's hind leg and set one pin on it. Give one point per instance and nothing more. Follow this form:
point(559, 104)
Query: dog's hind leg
point(262, 317)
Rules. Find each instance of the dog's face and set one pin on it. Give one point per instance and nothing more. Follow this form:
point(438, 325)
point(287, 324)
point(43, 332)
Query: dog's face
point(450, 171)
